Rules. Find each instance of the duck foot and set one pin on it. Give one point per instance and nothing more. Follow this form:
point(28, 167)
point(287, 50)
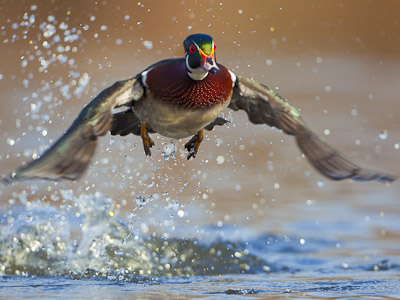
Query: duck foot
point(147, 141)
point(193, 145)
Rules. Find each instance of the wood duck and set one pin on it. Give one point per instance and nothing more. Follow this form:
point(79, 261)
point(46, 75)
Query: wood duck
point(179, 98)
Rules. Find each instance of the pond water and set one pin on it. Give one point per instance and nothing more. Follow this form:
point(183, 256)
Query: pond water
point(52, 253)
point(249, 217)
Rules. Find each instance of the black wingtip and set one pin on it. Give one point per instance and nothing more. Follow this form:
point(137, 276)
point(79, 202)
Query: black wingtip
point(385, 178)
point(333, 164)
point(390, 178)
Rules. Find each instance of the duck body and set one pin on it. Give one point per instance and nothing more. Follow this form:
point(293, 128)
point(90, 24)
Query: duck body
point(177, 106)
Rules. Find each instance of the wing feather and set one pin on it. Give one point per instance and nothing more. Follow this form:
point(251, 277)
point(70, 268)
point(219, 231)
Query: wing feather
point(265, 106)
point(70, 156)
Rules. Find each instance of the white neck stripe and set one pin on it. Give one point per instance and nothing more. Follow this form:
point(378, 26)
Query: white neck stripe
point(196, 73)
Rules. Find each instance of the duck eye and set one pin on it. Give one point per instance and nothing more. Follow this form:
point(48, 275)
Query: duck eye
point(192, 49)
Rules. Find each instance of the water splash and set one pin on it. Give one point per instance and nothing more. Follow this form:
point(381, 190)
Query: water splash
point(85, 238)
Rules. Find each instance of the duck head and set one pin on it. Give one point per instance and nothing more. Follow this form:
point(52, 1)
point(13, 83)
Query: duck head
point(200, 56)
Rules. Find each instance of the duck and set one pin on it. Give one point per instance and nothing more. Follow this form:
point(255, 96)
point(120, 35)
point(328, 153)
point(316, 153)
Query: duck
point(180, 98)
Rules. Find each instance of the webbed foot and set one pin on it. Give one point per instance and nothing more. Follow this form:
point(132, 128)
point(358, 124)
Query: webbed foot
point(147, 141)
point(193, 145)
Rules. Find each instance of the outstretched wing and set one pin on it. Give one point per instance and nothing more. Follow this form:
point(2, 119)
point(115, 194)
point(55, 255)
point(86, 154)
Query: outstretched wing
point(126, 122)
point(69, 157)
point(265, 106)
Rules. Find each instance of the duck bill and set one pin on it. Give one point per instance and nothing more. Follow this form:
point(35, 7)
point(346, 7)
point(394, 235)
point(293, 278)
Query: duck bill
point(209, 64)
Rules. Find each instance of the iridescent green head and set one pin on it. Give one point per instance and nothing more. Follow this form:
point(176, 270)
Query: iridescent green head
point(200, 56)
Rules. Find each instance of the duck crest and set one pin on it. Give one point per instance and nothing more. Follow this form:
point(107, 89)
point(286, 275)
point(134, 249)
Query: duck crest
point(169, 83)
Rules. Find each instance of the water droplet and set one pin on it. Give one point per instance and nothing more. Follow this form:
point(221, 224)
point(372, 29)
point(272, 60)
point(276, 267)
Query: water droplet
point(32, 19)
point(238, 254)
point(220, 159)
point(219, 142)
point(151, 184)
point(63, 26)
point(354, 112)
point(49, 30)
point(141, 201)
point(169, 151)
point(181, 213)
point(384, 134)
point(24, 63)
point(10, 141)
point(267, 269)
point(148, 45)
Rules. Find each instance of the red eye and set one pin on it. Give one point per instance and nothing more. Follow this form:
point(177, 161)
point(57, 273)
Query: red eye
point(192, 49)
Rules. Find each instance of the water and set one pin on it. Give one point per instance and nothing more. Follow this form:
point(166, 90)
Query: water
point(248, 218)
point(224, 287)
point(84, 250)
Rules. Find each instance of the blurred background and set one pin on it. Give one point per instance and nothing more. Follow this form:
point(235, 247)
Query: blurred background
point(336, 61)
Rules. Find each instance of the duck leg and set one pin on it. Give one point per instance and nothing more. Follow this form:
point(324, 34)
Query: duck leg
point(147, 141)
point(193, 145)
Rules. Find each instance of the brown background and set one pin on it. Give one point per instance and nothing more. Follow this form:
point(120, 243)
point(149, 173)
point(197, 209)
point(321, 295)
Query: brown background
point(338, 61)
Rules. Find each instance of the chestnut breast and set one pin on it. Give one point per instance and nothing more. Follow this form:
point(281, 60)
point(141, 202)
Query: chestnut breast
point(169, 83)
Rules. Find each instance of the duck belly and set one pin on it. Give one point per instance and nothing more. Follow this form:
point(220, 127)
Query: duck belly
point(175, 122)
